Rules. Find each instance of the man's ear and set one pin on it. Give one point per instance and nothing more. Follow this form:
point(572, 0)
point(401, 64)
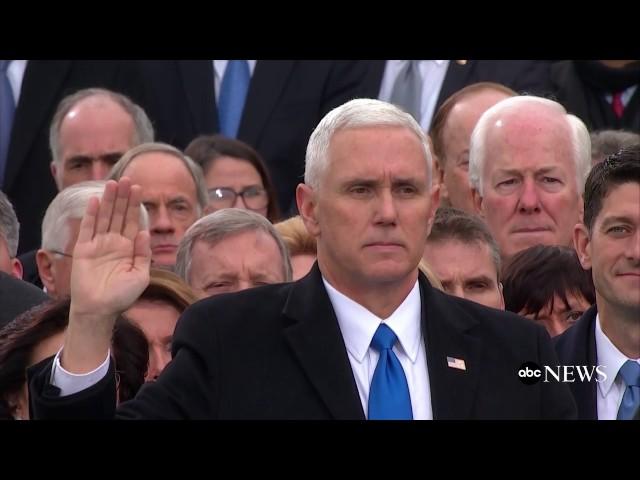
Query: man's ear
point(435, 203)
point(44, 262)
point(53, 167)
point(439, 178)
point(306, 200)
point(582, 245)
point(16, 268)
point(477, 201)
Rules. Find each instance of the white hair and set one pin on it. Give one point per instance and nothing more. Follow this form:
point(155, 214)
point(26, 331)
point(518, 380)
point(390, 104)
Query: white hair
point(223, 223)
point(362, 112)
point(71, 203)
point(580, 141)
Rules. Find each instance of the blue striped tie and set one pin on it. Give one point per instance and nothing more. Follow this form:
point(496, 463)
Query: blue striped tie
point(7, 109)
point(630, 373)
point(233, 93)
point(389, 397)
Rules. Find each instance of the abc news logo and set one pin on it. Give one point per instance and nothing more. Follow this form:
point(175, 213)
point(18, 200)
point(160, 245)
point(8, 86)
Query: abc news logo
point(531, 373)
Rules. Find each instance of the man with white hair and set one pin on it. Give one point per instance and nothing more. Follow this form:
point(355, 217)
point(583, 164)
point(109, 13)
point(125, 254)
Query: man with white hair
point(60, 228)
point(528, 162)
point(363, 335)
point(232, 250)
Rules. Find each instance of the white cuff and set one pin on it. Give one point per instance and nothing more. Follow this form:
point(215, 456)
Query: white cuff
point(70, 383)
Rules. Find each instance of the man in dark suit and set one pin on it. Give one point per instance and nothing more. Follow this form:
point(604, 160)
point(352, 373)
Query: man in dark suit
point(285, 101)
point(530, 76)
point(27, 178)
point(608, 334)
point(363, 335)
point(604, 94)
point(17, 297)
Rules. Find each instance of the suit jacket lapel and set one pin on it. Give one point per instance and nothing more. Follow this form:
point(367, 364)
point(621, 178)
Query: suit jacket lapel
point(458, 76)
point(316, 341)
point(268, 83)
point(198, 83)
point(40, 85)
point(450, 332)
point(585, 354)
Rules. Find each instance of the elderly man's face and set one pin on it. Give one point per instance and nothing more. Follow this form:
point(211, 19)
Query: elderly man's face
point(372, 210)
point(237, 262)
point(93, 136)
point(169, 194)
point(530, 182)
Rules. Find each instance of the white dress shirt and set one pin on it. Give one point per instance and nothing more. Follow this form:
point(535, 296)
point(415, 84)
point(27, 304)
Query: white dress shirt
point(610, 392)
point(358, 326)
point(432, 73)
point(625, 98)
point(219, 67)
point(15, 74)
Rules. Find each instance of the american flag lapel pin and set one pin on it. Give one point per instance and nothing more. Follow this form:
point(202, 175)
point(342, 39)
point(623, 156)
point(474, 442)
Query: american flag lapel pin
point(456, 363)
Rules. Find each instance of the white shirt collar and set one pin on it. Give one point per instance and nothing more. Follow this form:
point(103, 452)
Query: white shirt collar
point(609, 356)
point(358, 324)
point(221, 65)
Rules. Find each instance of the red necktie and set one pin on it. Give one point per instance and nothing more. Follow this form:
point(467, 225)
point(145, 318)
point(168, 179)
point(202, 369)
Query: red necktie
point(616, 104)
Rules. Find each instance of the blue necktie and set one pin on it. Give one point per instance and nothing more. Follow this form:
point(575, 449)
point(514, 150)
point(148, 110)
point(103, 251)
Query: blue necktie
point(389, 393)
point(233, 93)
point(630, 373)
point(7, 109)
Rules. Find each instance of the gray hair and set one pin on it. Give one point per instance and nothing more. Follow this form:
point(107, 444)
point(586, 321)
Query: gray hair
point(9, 226)
point(218, 225)
point(580, 141)
point(71, 203)
point(142, 131)
point(608, 142)
point(194, 169)
point(362, 112)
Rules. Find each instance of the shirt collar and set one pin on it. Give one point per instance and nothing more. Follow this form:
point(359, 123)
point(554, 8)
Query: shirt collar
point(358, 324)
point(609, 356)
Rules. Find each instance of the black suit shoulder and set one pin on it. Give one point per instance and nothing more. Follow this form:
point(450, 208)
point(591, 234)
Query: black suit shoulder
point(16, 297)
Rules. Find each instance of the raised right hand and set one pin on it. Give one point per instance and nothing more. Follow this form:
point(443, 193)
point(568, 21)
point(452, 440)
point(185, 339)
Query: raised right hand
point(110, 270)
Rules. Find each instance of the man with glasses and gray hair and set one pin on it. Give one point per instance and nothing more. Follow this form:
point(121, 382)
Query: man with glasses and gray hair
point(232, 250)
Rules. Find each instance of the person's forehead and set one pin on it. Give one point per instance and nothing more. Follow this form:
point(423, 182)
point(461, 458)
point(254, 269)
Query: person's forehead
point(476, 252)
point(362, 149)
point(225, 250)
point(621, 200)
point(160, 172)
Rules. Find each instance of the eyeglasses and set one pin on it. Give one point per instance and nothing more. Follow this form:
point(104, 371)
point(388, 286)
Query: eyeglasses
point(61, 253)
point(254, 197)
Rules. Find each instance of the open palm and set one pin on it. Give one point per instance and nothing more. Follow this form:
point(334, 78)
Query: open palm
point(111, 259)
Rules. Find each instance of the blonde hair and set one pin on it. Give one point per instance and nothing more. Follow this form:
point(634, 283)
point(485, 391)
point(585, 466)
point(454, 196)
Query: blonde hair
point(296, 236)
